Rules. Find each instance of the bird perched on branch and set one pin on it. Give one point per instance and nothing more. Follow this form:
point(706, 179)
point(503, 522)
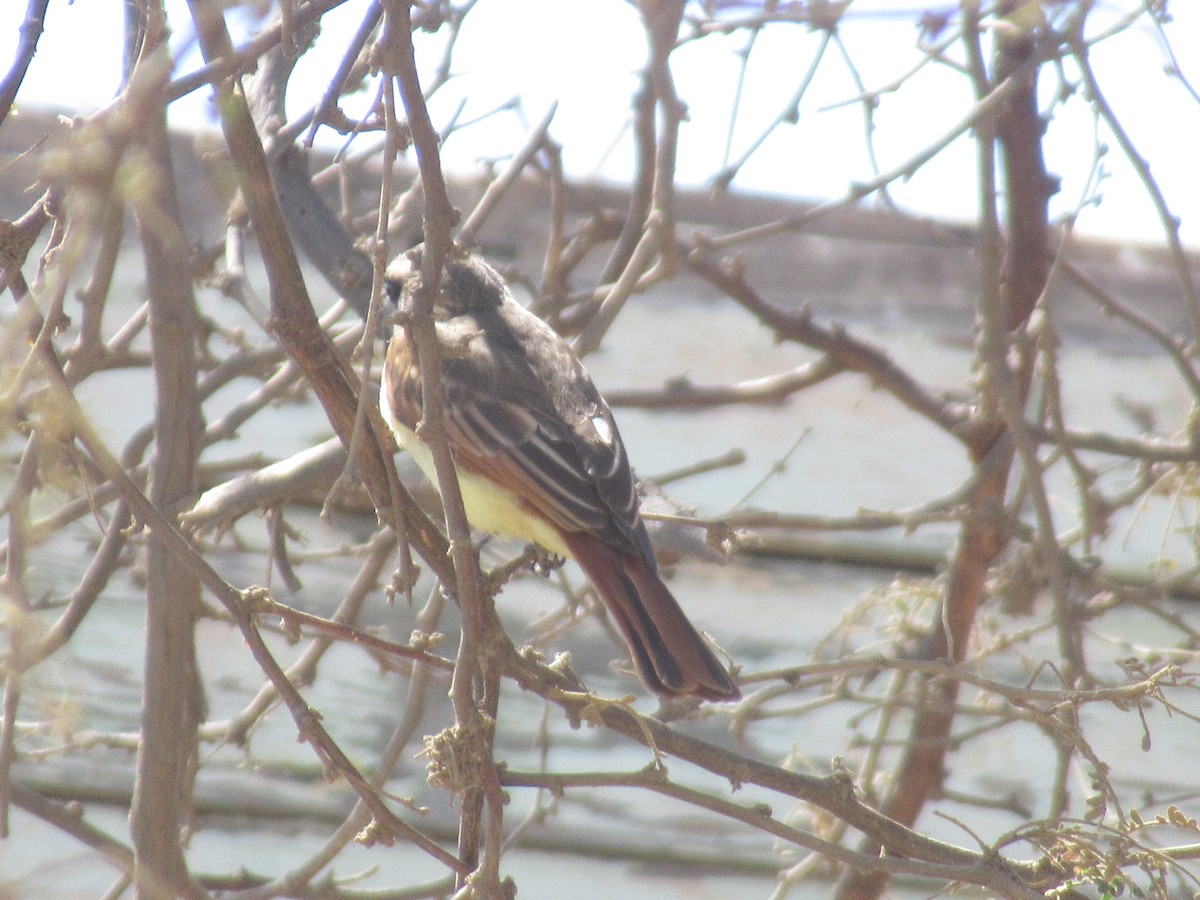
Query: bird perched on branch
point(539, 457)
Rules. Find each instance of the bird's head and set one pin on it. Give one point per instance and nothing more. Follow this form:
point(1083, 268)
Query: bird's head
point(469, 284)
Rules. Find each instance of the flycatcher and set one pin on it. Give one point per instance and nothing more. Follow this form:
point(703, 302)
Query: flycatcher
point(539, 458)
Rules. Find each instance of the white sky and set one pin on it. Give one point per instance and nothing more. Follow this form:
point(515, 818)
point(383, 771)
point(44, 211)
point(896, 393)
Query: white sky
point(584, 54)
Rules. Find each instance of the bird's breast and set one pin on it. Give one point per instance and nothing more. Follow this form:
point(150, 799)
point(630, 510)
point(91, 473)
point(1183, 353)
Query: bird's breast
point(489, 507)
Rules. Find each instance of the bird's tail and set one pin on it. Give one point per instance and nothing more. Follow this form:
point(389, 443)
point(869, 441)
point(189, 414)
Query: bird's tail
point(671, 656)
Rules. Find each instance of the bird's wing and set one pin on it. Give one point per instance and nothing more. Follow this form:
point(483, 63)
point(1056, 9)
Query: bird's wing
point(561, 454)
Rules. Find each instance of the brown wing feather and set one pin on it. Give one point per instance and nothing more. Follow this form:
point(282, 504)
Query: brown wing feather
point(500, 421)
point(402, 380)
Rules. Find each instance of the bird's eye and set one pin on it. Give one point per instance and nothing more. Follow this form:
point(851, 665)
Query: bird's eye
point(393, 287)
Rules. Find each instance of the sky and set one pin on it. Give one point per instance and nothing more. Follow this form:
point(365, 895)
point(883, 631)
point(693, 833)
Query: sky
point(584, 55)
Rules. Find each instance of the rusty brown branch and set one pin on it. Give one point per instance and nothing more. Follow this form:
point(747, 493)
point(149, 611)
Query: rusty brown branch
point(834, 793)
point(479, 844)
point(239, 62)
point(843, 349)
point(294, 320)
point(1012, 283)
point(770, 390)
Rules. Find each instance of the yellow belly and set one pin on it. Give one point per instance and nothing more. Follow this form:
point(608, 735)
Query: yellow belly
point(489, 508)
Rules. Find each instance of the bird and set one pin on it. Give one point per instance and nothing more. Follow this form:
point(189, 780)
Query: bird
point(539, 458)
